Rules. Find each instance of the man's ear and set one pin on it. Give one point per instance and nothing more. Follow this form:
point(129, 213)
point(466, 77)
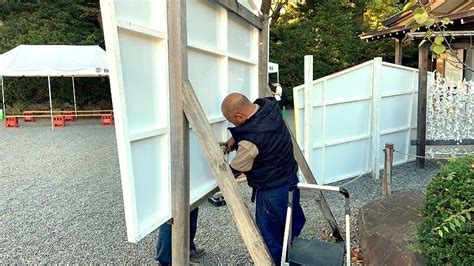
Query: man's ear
point(239, 116)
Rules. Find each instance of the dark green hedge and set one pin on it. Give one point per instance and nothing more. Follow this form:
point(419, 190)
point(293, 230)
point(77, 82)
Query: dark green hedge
point(445, 234)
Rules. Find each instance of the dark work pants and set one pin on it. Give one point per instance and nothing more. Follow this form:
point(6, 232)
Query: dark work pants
point(163, 243)
point(271, 205)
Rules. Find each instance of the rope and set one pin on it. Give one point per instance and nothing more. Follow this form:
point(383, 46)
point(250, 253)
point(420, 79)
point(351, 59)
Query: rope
point(361, 175)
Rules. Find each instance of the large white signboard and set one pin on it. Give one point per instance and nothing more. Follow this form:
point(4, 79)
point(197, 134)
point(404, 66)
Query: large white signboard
point(222, 55)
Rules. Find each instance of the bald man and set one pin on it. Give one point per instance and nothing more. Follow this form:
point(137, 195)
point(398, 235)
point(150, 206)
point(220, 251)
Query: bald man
point(264, 153)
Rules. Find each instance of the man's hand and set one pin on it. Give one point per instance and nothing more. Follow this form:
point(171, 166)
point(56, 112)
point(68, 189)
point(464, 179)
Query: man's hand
point(223, 146)
point(230, 144)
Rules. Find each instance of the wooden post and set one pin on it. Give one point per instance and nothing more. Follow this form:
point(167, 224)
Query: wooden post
point(224, 177)
point(179, 133)
point(422, 91)
point(398, 51)
point(263, 57)
point(387, 170)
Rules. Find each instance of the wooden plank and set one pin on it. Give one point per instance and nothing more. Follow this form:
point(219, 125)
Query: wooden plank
point(179, 131)
point(221, 170)
point(448, 142)
point(310, 179)
point(422, 91)
point(263, 57)
point(234, 7)
point(398, 51)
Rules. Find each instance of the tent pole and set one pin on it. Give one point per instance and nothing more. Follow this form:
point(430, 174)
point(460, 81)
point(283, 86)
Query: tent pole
point(3, 100)
point(74, 92)
point(50, 103)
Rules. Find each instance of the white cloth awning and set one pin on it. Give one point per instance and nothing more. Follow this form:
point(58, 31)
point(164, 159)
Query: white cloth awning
point(54, 61)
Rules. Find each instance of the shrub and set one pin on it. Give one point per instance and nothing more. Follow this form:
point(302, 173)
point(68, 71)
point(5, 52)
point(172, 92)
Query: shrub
point(445, 233)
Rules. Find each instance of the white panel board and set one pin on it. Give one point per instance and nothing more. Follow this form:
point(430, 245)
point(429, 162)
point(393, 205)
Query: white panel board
point(341, 118)
point(345, 160)
point(205, 77)
point(203, 31)
point(351, 84)
point(347, 120)
point(396, 79)
point(395, 112)
point(137, 48)
point(240, 39)
point(239, 77)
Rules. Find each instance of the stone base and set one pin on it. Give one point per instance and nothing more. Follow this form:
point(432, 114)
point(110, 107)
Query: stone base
point(385, 231)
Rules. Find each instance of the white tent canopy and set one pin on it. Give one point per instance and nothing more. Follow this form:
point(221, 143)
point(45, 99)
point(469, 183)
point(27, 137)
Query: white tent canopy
point(53, 61)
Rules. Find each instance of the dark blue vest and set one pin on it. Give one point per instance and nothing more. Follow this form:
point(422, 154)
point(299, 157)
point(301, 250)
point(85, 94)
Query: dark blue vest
point(275, 164)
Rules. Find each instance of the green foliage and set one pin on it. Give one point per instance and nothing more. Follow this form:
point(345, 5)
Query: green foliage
point(379, 10)
point(445, 234)
point(422, 18)
point(69, 22)
point(329, 30)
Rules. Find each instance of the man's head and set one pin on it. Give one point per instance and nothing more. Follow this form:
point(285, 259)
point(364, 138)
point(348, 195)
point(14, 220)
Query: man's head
point(236, 108)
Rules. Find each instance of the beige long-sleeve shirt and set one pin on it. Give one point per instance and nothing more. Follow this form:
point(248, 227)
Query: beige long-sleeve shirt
point(246, 153)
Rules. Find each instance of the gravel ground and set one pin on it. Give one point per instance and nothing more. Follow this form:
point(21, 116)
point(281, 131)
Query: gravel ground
point(61, 201)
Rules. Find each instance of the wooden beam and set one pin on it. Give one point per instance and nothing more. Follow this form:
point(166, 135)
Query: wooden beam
point(234, 7)
point(309, 177)
point(449, 142)
point(179, 133)
point(398, 51)
point(263, 58)
point(422, 91)
point(221, 170)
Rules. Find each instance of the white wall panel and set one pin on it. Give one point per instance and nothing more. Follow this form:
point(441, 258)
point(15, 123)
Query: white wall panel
point(347, 120)
point(240, 78)
point(345, 160)
point(395, 112)
point(205, 77)
point(142, 71)
point(349, 84)
point(396, 79)
point(203, 22)
point(341, 118)
point(149, 14)
point(240, 39)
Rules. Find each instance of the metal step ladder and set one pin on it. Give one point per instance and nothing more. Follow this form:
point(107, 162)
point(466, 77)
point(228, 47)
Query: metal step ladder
point(300, 251)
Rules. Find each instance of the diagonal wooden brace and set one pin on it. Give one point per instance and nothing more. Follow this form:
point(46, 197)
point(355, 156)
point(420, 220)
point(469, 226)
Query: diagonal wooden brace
point(225, 179)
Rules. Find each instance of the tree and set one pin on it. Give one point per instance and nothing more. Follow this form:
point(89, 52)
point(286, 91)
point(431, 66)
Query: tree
point(327, 29)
